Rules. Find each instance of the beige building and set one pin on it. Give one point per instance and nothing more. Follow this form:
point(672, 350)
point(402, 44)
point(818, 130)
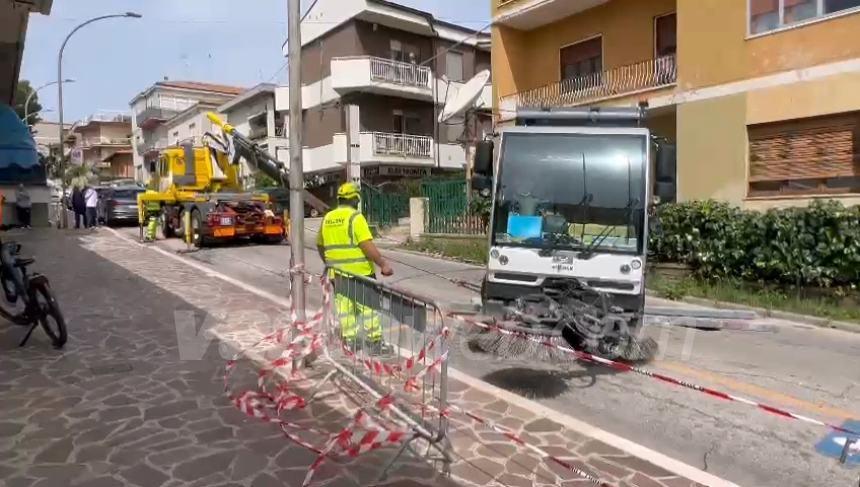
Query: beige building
point(759, 95)
point(253, 114)
point(169, 112)
point(103, 142)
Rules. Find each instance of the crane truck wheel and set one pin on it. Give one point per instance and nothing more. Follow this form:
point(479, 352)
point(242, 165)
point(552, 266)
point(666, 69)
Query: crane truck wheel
point(197, 229)
point(180, 230)
point(166, 227)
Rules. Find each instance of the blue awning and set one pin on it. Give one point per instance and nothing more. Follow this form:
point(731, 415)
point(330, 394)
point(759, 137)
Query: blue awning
point(19, 159)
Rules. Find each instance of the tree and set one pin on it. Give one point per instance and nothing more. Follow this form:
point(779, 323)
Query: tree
point(21, 94)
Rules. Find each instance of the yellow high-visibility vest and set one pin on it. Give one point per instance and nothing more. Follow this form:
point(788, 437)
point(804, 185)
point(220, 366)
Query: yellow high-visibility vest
point(339, 241)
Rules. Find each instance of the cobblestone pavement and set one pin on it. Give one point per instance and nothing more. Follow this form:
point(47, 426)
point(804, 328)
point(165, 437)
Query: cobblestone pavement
point(136, 397)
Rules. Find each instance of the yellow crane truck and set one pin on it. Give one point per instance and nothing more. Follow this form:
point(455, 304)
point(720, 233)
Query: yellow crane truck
point(202, 183)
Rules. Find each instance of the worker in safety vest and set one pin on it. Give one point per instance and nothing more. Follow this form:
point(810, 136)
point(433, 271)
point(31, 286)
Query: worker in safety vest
point(346, 246)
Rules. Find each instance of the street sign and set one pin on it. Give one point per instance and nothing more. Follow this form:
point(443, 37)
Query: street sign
point(77, 156)
point(833, 445)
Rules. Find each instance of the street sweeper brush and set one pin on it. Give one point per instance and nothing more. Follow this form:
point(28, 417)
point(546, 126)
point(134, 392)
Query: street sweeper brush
point(571, 316)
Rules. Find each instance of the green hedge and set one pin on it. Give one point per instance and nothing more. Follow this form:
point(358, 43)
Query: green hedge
point(814, 246)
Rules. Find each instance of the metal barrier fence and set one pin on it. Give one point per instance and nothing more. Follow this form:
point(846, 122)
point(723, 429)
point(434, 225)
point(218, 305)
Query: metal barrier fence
point(391, 343)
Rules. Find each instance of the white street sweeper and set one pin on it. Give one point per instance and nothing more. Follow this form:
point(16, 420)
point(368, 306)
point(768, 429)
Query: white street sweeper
point(569, 231)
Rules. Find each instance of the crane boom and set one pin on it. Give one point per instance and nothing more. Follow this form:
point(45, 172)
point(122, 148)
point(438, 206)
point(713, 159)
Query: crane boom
point(263, 161)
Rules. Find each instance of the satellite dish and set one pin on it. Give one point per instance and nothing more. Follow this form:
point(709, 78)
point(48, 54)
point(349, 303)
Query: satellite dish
point(466, 97)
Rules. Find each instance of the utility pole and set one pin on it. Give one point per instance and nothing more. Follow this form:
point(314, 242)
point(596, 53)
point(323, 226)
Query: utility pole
point(297, 178)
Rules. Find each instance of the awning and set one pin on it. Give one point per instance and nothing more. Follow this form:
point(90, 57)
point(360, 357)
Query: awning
point(19, 159)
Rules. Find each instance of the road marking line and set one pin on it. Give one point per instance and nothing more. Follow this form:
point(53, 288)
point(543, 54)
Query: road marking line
point(759, 391)
point(659, 459)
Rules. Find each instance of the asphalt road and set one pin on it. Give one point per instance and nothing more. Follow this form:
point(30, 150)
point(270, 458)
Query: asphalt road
point(811, 371)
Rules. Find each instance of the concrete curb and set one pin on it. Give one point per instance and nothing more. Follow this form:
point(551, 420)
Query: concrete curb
point(782, 315)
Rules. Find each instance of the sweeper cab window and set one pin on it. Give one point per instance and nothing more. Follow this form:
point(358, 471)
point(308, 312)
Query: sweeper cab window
point(576, 191)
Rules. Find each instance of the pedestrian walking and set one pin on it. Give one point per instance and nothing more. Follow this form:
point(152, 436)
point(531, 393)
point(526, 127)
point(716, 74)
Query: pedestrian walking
point(24, 206)
point(79, 206)
point(91, 198)
point(346, 246)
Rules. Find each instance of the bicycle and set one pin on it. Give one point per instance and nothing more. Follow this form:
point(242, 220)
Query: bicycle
point(40, 306)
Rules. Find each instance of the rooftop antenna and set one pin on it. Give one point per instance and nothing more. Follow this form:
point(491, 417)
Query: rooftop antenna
point(464, 103)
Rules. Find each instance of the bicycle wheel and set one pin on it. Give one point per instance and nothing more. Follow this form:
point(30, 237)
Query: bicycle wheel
point(50, 316)
point(9, 290)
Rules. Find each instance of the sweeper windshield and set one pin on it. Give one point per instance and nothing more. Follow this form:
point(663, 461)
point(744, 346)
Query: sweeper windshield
point(576, 191)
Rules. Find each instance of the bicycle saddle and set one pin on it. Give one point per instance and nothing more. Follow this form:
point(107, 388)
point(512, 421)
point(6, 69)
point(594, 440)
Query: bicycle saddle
point(24, 262)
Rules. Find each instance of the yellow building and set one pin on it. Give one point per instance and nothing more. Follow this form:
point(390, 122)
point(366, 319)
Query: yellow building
point(761, 96)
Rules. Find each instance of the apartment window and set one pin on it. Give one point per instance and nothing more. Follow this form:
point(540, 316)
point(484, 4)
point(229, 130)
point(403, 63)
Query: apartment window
point(454, 66)
point(192, 128)
point(582, 59)
point(665, 35)
point(768, 15)
point(807, 156)
point(404, 53)
point(408, 124)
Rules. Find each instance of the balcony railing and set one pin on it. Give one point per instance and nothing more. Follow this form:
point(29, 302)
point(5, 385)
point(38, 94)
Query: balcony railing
point(624, 80)
point(99, 141)
point(415, 146)
point(388, 71)
point(107, 117)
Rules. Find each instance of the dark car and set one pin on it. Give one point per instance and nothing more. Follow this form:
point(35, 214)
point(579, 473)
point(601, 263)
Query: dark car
point(119, 205)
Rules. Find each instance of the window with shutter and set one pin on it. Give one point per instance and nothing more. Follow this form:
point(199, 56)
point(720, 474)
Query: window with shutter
point(807, 156)
point(582, 59)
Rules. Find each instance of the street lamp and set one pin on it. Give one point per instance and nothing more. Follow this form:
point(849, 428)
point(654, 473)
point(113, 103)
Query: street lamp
point(34, 114)
point(27, 113)
point(132, 15)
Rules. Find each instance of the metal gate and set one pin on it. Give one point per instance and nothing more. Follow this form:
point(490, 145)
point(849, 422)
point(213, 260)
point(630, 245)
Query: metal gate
point(449, 209)
point(383, 208)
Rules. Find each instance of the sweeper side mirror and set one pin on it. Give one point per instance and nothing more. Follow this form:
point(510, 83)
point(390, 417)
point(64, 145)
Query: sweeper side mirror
point(665, 183)
point(484, 158)
point(482, 179)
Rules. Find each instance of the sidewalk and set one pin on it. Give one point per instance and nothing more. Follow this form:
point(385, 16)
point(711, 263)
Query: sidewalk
point(122, 405)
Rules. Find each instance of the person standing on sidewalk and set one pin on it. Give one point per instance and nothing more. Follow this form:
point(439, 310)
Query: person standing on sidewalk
point(79, 206)
point(91, 197)
point(24, 206)
point(345, 244)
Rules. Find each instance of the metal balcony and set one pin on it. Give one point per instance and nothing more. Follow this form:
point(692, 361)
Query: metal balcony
point(154, 115)
point(105, 142)
point(645, 76)
point(381, 76)
point(392, 148)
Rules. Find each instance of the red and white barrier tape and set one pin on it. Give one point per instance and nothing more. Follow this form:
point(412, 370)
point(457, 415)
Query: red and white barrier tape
point(661, 377)
point(304, 339)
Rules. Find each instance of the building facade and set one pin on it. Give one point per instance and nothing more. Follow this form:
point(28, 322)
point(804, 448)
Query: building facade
point(375, 76)
point(756, 93)
point(253, 114)
point(170, 112)
point(103, 142)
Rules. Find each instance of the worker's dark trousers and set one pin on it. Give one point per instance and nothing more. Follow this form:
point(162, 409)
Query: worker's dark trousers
point(24, 216)
point(91, 217)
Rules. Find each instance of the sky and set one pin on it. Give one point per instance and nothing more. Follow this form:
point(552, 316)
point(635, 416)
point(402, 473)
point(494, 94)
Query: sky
point(217, 41)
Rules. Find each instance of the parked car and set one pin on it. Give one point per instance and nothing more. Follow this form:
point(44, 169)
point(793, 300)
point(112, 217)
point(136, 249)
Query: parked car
point(118, 205)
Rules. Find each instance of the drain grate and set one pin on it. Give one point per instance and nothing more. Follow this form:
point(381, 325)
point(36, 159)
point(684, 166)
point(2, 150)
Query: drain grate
point(108, 368)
